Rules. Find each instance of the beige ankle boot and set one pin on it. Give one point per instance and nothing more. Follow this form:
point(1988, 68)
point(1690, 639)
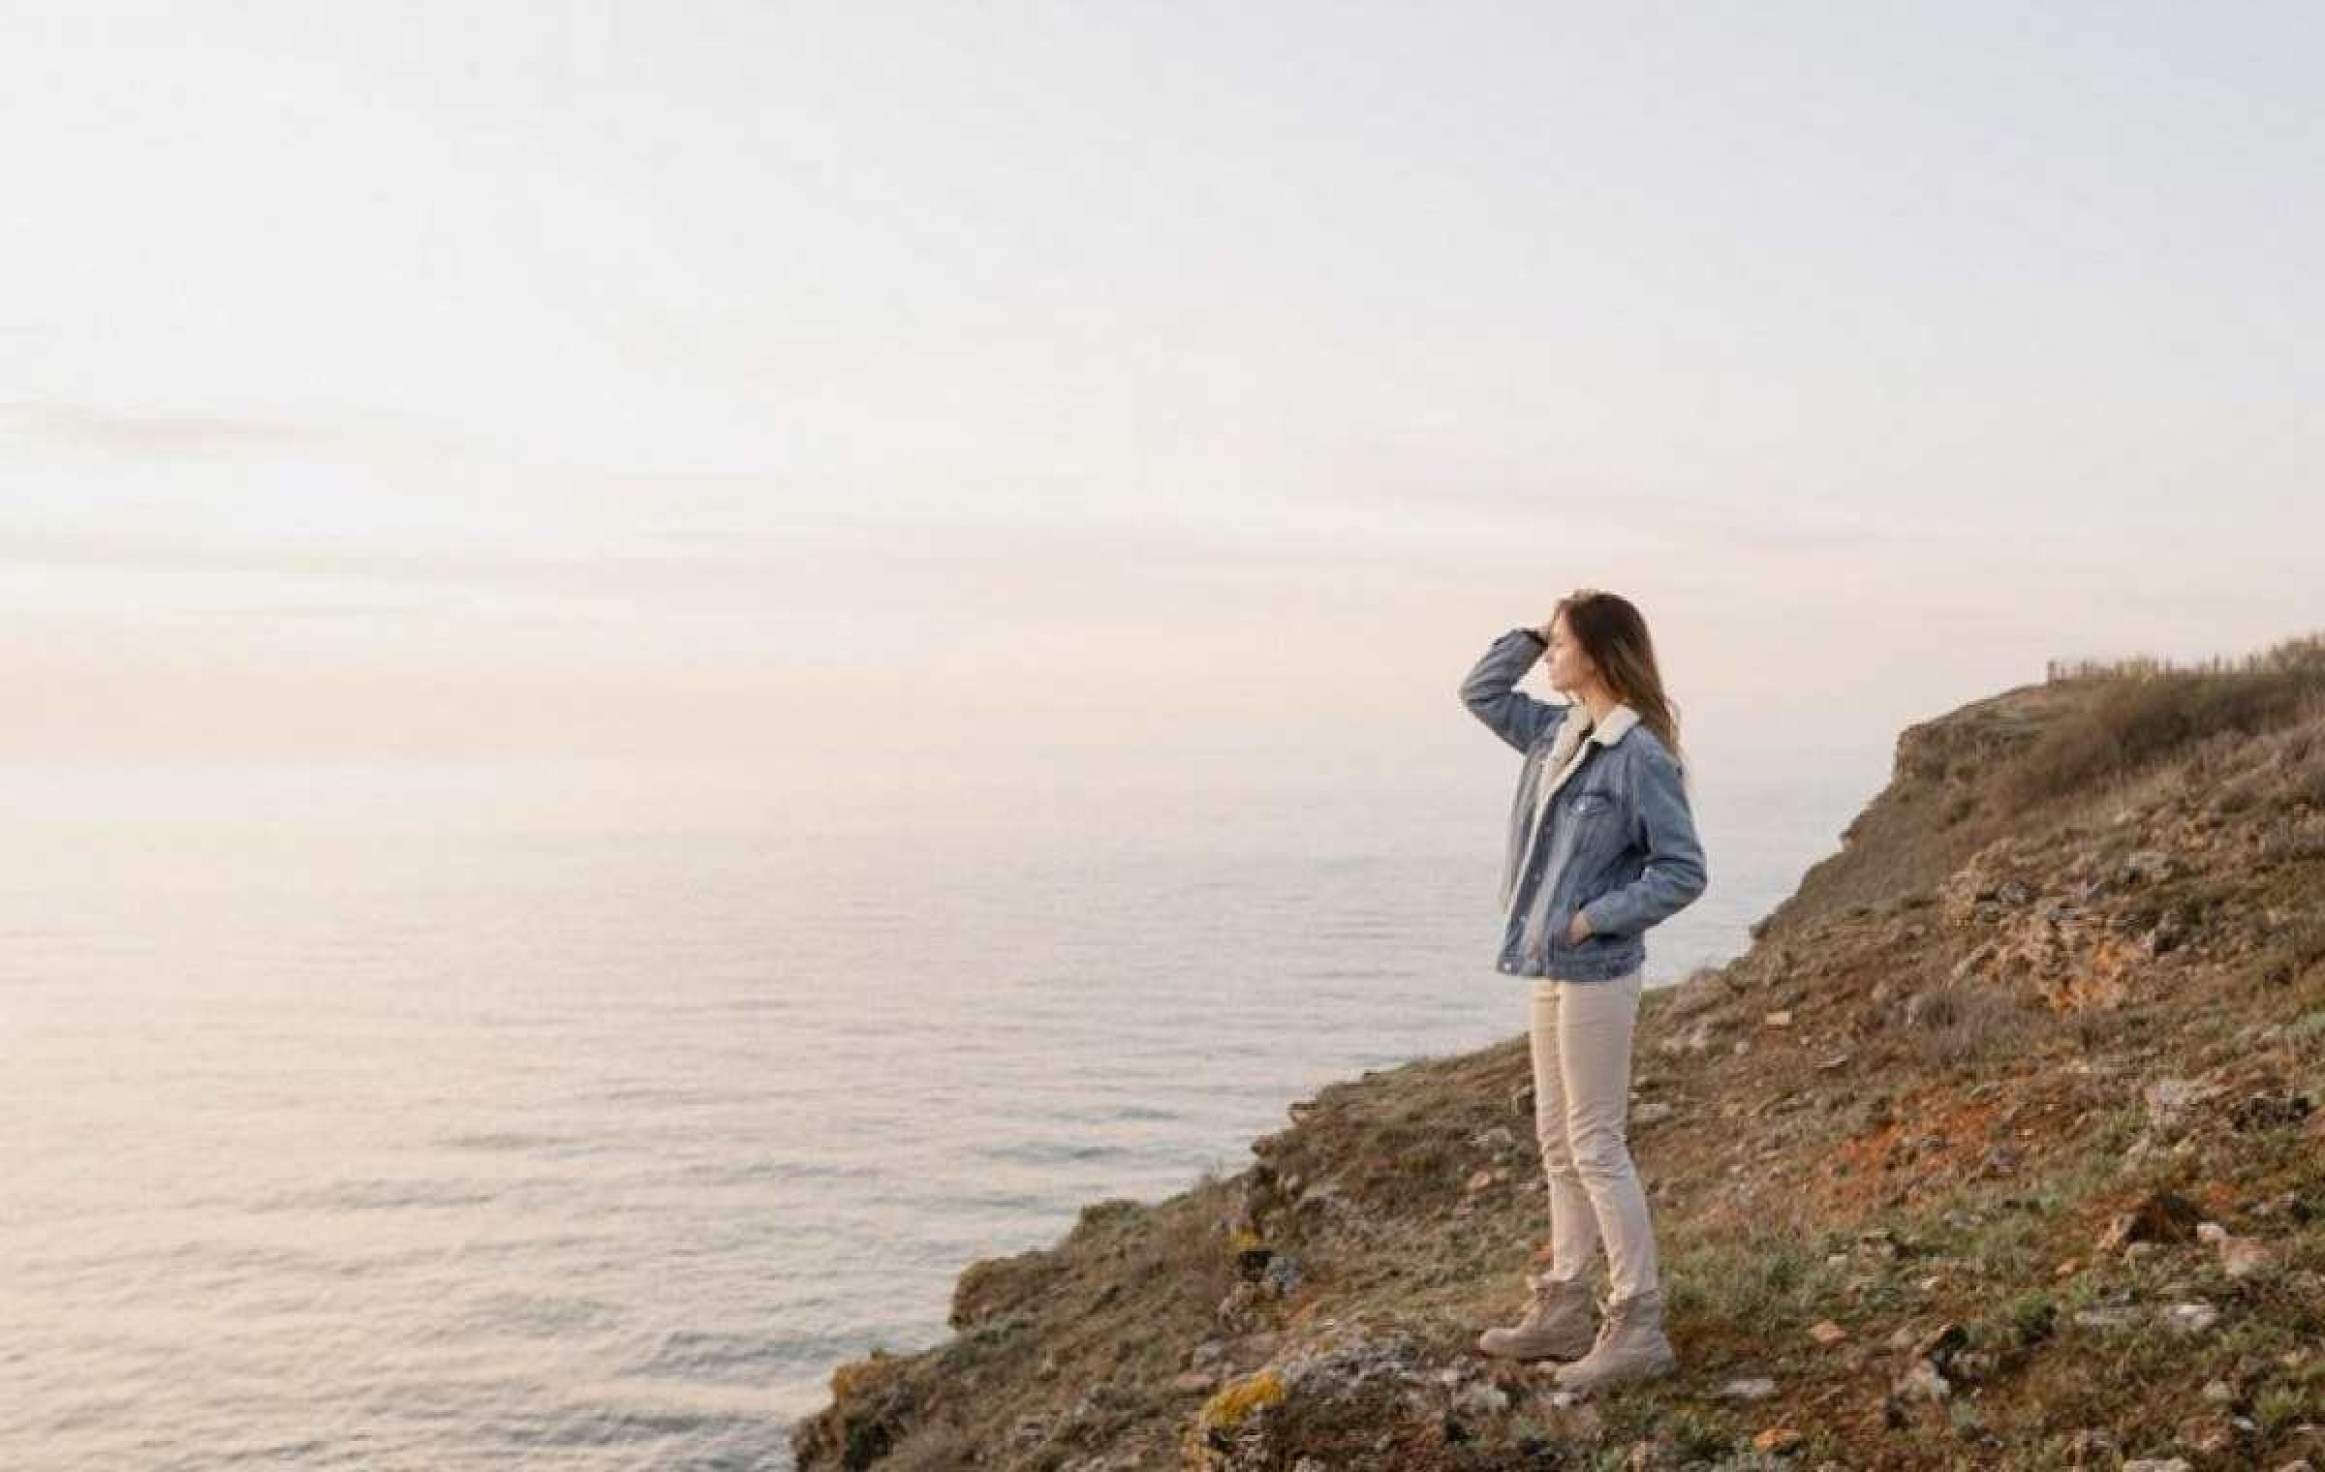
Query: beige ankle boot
point(1556, 1326)
point(1630, 1346)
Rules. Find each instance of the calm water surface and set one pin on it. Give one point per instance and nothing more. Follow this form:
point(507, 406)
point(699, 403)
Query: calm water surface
point(586, 1117)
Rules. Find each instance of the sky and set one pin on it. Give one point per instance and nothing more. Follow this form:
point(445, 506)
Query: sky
point(1041, 389)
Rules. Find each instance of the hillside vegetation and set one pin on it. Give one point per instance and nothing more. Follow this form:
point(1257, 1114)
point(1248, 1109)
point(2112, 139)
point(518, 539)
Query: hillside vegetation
point(2000, 1147)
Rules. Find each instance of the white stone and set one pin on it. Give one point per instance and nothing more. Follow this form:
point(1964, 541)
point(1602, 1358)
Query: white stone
point(1924, 1382)
point(2191, 1318)
point(2241, 1257)
point(1484, 1399)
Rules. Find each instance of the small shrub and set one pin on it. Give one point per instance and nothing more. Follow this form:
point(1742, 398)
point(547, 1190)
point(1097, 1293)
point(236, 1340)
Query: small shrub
point(934, 1448)
point(1957, 1026)
point(2303, 941)
point(2093, 1028)
point(1239, 1400)
point(2033, 1317)
point(2307, 1029)
point(1697, 1436)
point(2278, 1408)
point(2307, 786)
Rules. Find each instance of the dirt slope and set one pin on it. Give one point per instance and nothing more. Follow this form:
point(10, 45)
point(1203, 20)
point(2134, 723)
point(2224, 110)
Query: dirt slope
point(1997, 1149)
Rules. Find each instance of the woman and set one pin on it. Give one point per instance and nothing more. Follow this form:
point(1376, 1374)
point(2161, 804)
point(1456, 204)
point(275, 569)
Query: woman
point(1602, 846)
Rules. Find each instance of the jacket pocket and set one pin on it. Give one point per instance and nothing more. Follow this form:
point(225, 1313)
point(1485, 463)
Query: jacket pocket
point(1563, 920)
point(1599, 887)
point(1591, 804)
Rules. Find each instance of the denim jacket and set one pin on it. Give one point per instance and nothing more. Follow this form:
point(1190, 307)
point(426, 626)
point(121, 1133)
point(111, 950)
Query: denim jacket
point(1600, 823)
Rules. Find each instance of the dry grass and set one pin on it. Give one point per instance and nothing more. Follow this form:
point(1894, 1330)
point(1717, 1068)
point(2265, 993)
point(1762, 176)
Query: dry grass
point(2146, 710)
point(1967, 1028)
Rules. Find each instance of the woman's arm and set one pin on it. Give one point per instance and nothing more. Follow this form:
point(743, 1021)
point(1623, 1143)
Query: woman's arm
point(1675, 873)
point(1488, 689)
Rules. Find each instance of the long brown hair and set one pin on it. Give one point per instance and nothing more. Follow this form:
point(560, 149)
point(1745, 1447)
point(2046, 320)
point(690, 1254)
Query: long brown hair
point(1613, 634)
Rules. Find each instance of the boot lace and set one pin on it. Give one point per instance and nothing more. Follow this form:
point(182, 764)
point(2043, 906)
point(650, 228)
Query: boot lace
point(1608, 1320)
point(1613, 1314)
point(1546, 1298)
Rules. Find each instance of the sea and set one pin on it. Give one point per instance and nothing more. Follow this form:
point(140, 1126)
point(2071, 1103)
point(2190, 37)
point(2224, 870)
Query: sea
point(588, 1114)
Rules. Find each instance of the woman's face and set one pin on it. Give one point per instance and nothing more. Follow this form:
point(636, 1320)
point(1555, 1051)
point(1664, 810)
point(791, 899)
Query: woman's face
point(1570, 668)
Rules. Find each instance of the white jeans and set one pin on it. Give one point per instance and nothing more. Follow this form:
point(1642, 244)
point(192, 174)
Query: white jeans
point(1581, 1039)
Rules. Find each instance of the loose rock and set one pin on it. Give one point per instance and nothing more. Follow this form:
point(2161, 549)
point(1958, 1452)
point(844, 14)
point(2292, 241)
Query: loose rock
point(2191, 1318)
point(2163, 1216)
point(1778, 1440)
point(1923, 1382)
point(2169, 1099)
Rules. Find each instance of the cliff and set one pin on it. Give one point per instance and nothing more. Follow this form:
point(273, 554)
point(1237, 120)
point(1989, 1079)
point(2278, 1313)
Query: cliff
point(1997, 1148)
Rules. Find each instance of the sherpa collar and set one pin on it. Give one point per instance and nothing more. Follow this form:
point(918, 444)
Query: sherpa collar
point(1609, 731)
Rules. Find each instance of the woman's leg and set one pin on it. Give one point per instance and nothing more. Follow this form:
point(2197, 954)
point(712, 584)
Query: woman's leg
point(1595, 1021)
point(1574, 1225)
